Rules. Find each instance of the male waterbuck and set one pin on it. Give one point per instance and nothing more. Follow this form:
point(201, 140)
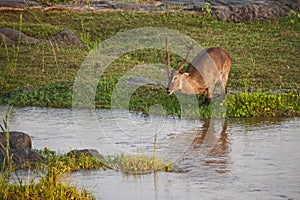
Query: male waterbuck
point(209, 67)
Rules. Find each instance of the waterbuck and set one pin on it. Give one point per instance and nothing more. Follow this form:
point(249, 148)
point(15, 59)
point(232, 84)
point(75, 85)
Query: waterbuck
point(209, 67)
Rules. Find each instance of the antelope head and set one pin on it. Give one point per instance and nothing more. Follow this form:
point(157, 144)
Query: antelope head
point(176, 78)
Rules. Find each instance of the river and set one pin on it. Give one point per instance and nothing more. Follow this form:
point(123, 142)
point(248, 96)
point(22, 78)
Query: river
point(251, 158)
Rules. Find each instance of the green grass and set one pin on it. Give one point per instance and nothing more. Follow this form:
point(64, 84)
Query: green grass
point(261, 104)
point(138, 163)
point(265, 56)
point(51, 181)
point(49, 176)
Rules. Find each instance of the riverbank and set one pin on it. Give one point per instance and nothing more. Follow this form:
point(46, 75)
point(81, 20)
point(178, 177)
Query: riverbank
point(47, 170)
point(229, 11)
point(265, 58)
point(239, 144)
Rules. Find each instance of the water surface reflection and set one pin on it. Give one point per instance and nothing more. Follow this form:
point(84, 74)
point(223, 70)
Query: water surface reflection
point(222, 159)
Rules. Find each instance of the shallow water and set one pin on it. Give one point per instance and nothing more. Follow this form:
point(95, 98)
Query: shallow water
point(218, 159)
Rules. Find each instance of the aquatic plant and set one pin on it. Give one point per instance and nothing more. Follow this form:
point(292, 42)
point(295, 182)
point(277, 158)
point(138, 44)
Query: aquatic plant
point(68, 163)
point(138, 163)
point(260, 104)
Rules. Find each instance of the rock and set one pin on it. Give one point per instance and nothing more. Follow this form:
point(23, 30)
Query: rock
point(222, 12)
point(86, 152)
point(21, 4)
point(225, 10)
point(254, 10)
point(20, 148)
point(17, 140)
point(27, 89)
point(11, 36)
point(66, 37)
point(5, 41)
point(22, 156)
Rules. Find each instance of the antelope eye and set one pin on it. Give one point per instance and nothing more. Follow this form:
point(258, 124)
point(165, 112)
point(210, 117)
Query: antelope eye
point(174, 78)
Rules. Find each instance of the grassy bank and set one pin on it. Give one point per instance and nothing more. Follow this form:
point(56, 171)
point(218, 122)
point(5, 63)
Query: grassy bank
point(47, 182)
point(265, 57)
point(49, 178)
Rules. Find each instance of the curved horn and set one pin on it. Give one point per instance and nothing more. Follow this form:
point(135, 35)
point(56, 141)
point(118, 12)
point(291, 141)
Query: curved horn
point(188, 48)
point(168, 58)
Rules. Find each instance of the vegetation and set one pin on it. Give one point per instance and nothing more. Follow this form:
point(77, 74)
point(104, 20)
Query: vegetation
point(265, 57)
point(51, 172)
point(138, 163)
point(49, 186)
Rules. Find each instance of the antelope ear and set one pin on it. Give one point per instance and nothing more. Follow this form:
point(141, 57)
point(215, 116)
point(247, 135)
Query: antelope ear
point(186, 74)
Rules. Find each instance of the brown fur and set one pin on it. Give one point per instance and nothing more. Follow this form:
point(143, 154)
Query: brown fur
point(206, 69)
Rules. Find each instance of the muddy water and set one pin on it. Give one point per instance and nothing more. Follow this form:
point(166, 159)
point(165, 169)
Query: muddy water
point(232, 159)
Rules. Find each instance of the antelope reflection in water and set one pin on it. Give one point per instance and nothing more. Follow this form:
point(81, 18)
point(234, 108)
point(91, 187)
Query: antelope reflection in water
point(208, 147)
point(211, 146)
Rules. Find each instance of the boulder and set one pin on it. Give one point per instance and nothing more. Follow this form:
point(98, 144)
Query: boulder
point(21, 4)
point(66, 37)
point(20, 148)
point(5, 41)
point(264, 10)
point(22, 156)
point(17, 140)
point(10, 36)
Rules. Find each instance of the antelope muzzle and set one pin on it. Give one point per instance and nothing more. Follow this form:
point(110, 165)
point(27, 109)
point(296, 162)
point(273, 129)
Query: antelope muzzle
point(169, 91)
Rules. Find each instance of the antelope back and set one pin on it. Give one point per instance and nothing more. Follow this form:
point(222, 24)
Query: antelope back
point(210, 65)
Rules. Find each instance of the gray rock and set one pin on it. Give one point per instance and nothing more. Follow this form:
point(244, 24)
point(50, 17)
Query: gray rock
point(17, 140)
point(253, 10)
point(66, 37)
point(5, 41)
point(20, 149)
point(11, 36)
point(22, 156)
point(240, 10)
point(225, 10)
point(222, 12)
point(27, 89)
point(21, 4)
